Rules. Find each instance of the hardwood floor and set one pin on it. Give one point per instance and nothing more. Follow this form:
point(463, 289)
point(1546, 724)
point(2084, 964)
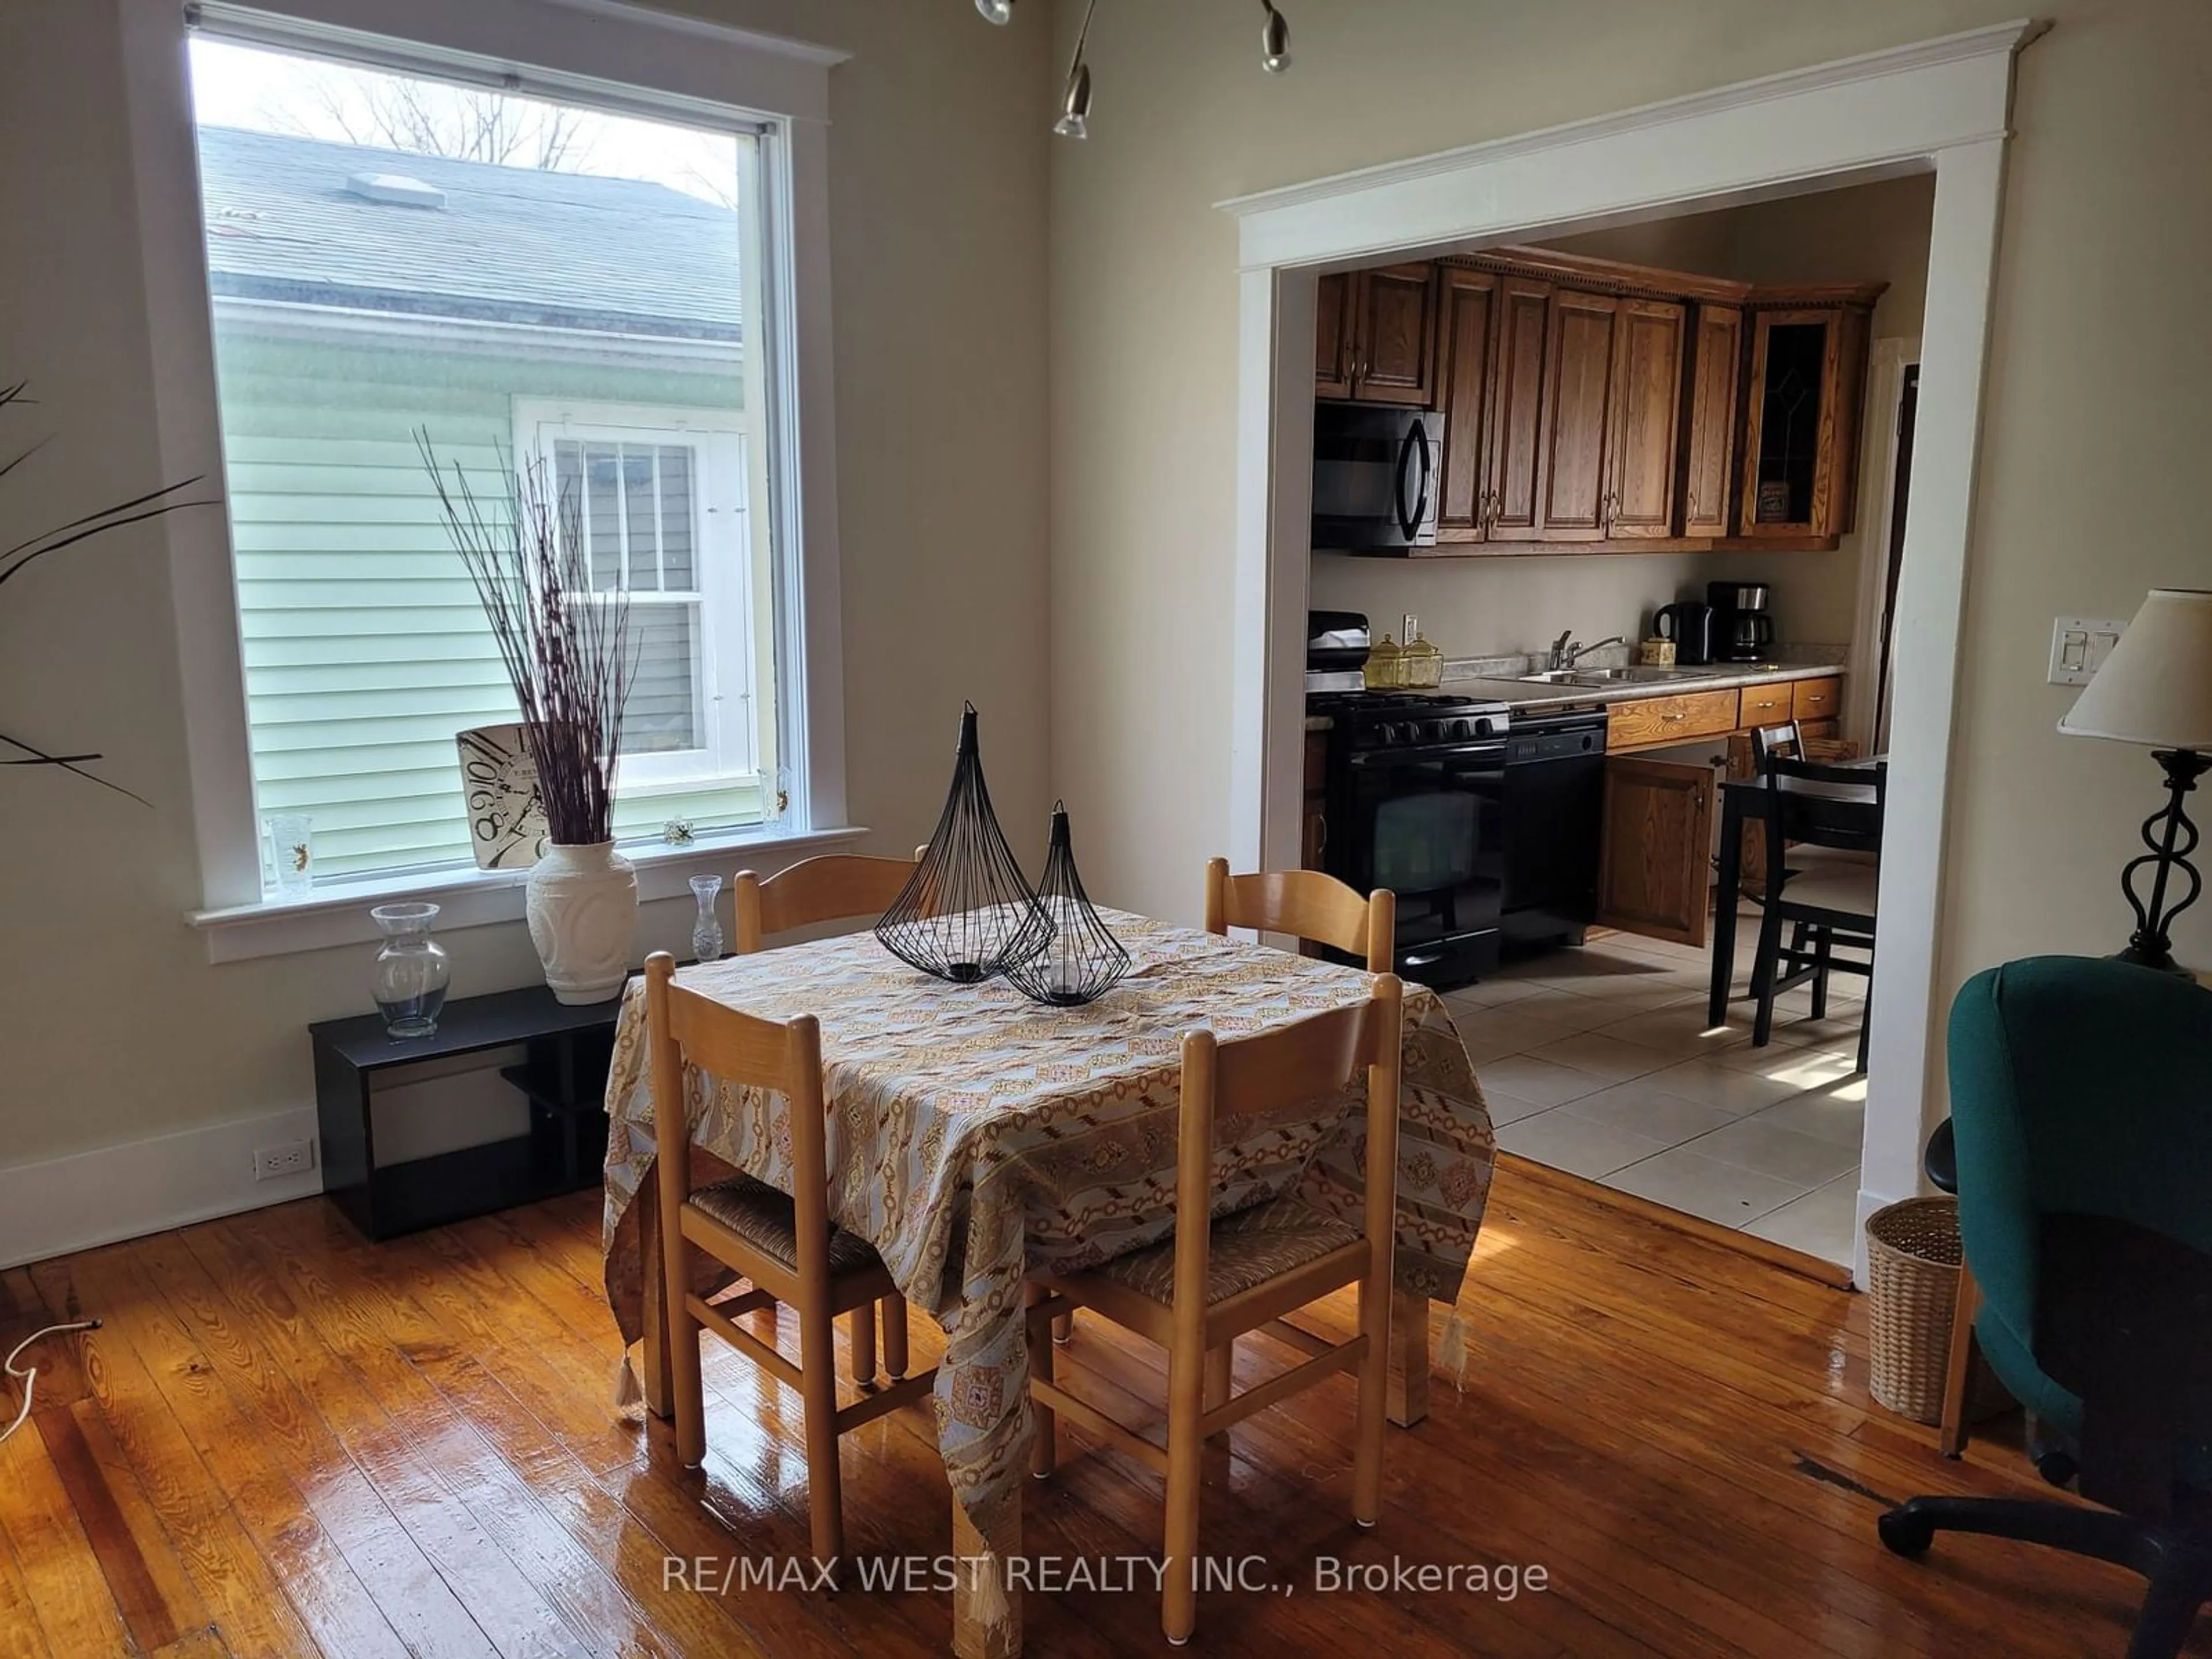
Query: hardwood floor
point(284, 1441)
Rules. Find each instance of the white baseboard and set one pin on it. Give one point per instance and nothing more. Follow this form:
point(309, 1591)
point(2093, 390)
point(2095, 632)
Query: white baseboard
point(62, 1204)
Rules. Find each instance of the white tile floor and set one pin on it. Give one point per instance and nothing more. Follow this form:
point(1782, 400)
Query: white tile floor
point(1598, 1061)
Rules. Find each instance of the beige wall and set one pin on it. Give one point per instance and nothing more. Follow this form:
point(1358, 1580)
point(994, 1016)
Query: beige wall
point(112, 1025)
point(1481, 606)
point(2095, 418)
point(946, 226)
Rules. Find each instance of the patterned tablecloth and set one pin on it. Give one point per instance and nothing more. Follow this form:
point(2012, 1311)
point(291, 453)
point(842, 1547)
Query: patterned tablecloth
point(975, 1135)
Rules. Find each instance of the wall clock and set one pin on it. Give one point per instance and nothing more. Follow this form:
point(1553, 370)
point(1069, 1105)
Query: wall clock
point(506, 815)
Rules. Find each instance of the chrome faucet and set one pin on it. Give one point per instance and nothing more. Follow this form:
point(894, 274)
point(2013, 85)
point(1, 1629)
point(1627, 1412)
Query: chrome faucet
point(1565, 655)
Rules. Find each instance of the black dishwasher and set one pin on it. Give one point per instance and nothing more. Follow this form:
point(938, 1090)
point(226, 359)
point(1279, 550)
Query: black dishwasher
point(1554, 810)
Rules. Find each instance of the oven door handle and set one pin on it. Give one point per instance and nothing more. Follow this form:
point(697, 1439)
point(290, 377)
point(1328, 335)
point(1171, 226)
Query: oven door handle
point(1372, 757)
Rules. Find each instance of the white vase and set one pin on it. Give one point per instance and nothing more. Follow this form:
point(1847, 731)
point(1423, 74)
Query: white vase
point(583, 919)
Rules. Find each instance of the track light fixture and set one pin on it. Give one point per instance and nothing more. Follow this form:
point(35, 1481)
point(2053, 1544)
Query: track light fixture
point(1074, 121)
point(1075, 103)
point(1075, 98)
point(1275, 40)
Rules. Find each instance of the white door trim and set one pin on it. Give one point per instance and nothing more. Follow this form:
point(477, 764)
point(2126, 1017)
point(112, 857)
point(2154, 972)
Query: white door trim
point(1884, 395)
point(1943, 105)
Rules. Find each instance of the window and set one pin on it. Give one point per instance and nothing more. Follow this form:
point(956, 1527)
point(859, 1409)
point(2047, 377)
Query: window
point(516, 280)
point(661, 498)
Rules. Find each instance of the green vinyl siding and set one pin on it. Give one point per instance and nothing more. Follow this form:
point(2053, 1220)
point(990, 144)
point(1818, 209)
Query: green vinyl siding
point(364, 647)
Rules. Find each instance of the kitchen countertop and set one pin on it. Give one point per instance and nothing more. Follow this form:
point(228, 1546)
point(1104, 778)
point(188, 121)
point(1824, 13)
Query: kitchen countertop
point(1525, 694)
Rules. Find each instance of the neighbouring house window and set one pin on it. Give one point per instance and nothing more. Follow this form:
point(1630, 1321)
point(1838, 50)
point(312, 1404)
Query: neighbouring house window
point(638, 521)
point(527, 283)
point(659, 498)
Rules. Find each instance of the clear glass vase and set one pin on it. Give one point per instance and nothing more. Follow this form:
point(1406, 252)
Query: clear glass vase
point(409, 980)
point(707, 931)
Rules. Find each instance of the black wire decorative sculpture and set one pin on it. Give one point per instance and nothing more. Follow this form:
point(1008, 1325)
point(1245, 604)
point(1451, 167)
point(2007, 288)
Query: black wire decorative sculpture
point(1083, 960)
point(968, 913)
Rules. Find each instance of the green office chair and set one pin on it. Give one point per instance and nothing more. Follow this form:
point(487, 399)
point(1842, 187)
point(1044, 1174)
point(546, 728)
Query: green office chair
point(2081, 1097)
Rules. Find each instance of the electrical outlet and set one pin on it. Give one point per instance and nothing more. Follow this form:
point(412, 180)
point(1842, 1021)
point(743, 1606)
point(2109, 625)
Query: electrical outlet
point(2079, 645)
point(290, 1158)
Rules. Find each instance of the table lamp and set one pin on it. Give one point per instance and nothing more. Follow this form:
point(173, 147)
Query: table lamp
point(2156, 688)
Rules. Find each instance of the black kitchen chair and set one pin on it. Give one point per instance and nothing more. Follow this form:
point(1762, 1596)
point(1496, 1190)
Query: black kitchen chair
point(1823, 887)
point(1785, 740)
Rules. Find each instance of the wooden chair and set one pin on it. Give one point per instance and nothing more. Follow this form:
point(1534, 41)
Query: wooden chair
point(1197, 1292)
point(835, 887)
point(784, 1245)
point(1318, 907)
point(1305, 902)
point(1826, 893)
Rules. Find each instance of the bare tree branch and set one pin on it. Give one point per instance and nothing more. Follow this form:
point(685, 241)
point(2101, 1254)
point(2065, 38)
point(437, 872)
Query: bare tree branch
point(429, 118)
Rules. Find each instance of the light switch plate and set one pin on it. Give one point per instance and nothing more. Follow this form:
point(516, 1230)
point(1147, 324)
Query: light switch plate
point(2079, 645)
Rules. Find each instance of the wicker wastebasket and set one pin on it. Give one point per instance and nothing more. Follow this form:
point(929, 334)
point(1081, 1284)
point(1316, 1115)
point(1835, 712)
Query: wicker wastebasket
point(1912, 1286)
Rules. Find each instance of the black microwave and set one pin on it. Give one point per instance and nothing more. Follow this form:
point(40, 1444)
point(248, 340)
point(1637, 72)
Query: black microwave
point(1377, 478)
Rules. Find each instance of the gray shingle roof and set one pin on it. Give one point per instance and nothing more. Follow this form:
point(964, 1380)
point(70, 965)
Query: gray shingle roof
point(512, 244)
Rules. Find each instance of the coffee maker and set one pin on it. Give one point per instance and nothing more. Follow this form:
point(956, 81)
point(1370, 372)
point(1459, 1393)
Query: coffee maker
point(1743, 622)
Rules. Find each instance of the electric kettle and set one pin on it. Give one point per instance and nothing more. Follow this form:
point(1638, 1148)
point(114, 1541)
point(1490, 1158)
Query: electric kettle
point(1690, 625)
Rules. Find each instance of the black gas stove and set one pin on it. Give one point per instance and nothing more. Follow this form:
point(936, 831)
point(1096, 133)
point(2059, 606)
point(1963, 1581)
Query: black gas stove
point(1402, 719)
point(1481, 819)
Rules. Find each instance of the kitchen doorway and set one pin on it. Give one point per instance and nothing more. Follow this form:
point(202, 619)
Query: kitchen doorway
point(1941, 106)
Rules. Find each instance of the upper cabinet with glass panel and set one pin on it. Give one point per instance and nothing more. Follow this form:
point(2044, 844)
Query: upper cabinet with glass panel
point(1806, 372)
point(527, 282)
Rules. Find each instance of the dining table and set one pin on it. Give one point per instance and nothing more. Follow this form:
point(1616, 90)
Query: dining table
point(977, 1136)
point(1745, 800)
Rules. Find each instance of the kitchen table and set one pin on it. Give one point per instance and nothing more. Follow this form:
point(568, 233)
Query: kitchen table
point(974, 1135)
point(1744, 801)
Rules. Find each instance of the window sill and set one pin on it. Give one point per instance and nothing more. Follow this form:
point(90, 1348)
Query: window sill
point(338, 914)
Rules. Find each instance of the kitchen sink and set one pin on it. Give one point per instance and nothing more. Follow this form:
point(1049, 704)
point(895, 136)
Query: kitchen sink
point(1597, 677)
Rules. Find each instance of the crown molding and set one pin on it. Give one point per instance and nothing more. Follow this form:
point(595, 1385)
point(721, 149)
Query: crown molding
point(1996, 41)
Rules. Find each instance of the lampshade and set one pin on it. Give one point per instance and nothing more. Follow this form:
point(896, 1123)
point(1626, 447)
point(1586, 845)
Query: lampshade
point(2156, 687)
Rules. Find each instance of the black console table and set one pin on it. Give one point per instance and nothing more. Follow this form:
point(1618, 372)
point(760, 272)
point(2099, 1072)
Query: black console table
point(564, 1077)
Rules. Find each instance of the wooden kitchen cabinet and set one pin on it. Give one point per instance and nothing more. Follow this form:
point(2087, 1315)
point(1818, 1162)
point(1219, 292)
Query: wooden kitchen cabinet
point(1333, 336)
point(1806, 372)
point(1593, 405)
point(1816, 699)
point(1655, 859)
point(1313, 840)
point(1645, 402)
point(1467, 332)
point(1710, 416)
point(1516, 410)
point(1768, 705)
point(1646, 722)
point(1575, 476)
point(1654, 863)
point(1375, 334)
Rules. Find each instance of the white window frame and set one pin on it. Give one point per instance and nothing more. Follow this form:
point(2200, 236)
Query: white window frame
point(622, 58)
point(724, 552)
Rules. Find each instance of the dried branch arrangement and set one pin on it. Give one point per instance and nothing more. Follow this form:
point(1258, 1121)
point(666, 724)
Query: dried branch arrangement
point(21, 556)
point(566, 647)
